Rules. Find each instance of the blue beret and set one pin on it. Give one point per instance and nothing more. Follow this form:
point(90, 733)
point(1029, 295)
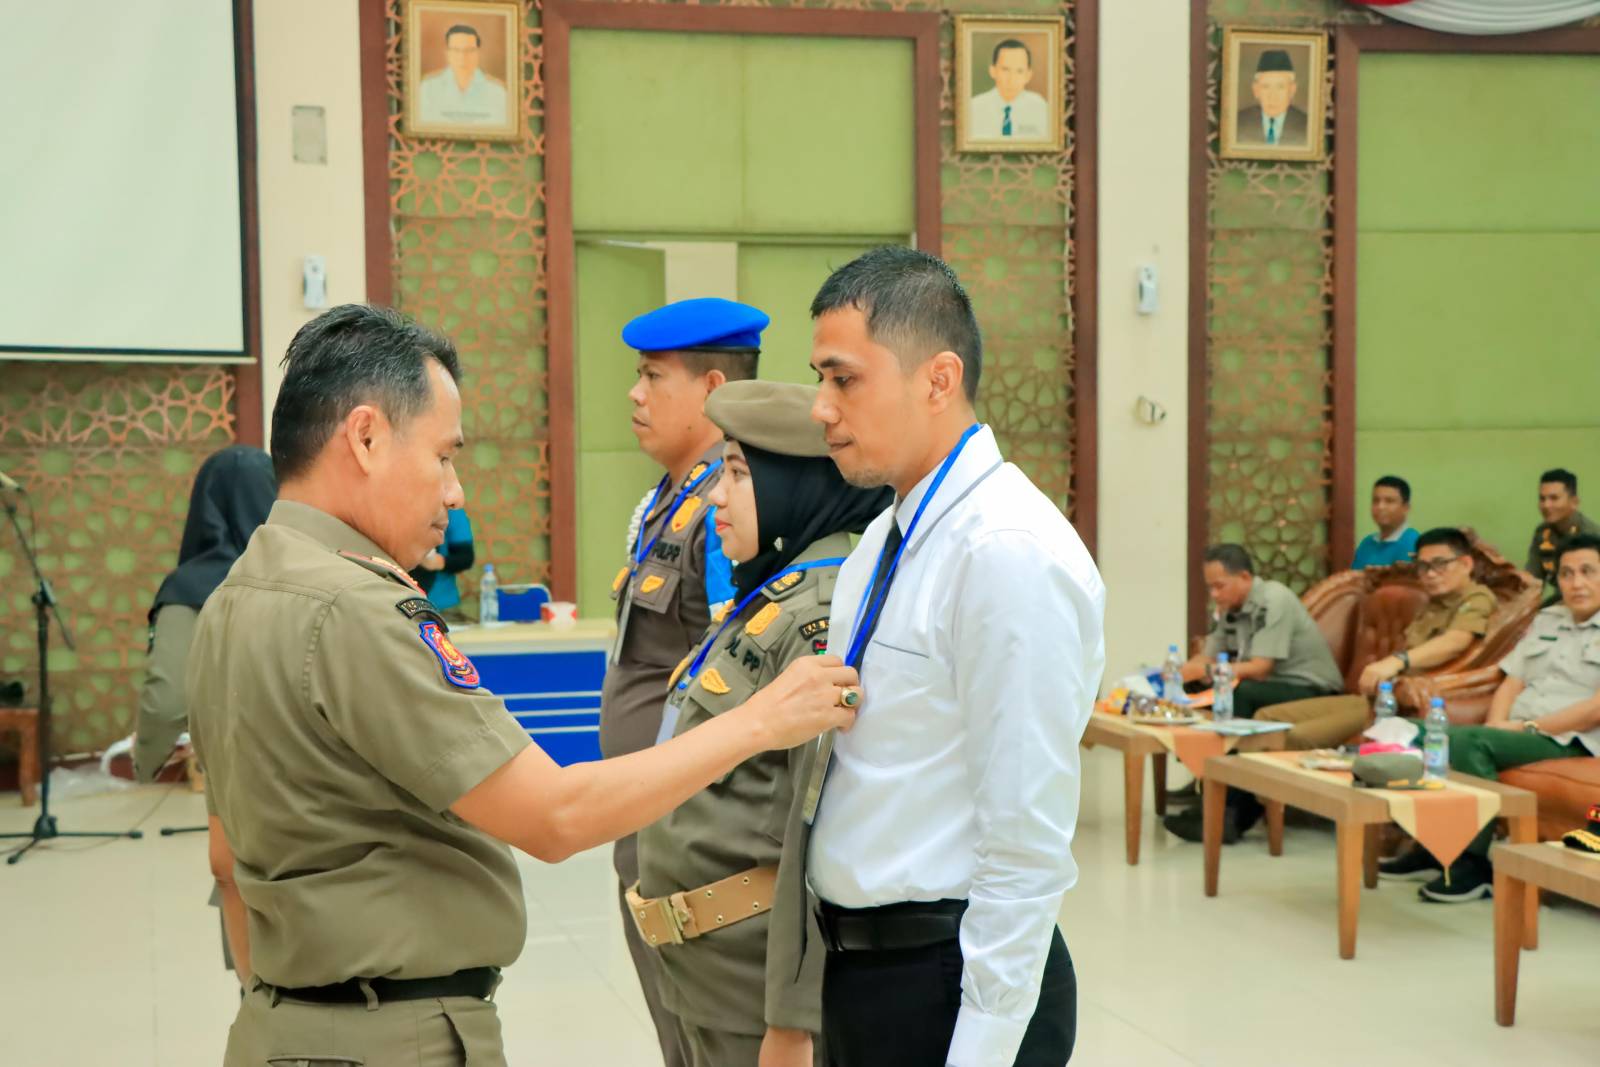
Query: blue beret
point(706, 322)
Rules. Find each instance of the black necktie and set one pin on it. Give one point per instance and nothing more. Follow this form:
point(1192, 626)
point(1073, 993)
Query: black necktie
point(880, 583)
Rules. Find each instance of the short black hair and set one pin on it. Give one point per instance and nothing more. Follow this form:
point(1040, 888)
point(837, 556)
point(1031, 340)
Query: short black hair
point(1397, 483)
point(1010, 42)
point(735, 366)
point(347, 356)
point(461, 27)
point(1561, 476)
point(914, 304)
point(1447, 536)
point(1578, 543)
point(1234, 558)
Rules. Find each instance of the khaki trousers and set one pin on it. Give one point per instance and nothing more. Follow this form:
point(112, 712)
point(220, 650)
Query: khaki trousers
point(1321, 722)
point(272, 1031)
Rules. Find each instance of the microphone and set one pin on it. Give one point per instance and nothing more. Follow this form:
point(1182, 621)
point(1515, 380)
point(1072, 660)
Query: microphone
point(8, 484)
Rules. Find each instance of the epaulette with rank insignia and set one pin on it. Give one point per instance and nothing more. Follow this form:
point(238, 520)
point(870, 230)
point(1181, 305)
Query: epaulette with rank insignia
point(783, 586)
point(383, 567)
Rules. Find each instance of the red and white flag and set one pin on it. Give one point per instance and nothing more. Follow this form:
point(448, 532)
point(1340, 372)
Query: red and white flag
point(1485, 16)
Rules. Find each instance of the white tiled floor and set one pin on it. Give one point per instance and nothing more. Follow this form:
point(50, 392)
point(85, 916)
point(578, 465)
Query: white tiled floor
point(110, 956)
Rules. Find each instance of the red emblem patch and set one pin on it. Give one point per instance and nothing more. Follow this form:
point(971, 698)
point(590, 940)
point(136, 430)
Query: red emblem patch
point(458, 669)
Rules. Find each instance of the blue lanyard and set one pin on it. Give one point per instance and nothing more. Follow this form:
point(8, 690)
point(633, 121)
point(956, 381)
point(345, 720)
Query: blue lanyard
point(705, 649)
point(639, 553)
point(858, 638)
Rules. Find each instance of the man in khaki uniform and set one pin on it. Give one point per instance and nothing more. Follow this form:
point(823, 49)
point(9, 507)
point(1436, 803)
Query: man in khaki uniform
point(1279, 654)
point(674, 570)
point(1548, 707)
point(1558, 507)
point(739, 989)
point(362, 785)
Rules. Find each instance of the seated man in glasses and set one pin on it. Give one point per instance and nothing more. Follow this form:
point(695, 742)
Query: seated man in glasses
point(1547, 707)
point(1457, 612)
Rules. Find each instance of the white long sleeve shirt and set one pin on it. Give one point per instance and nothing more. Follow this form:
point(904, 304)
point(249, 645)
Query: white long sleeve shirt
point(960, 778)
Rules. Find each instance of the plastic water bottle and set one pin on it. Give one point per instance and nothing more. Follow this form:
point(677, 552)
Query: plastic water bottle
point(488, 596)
point(1172, 677)
point(1222, 689)
point(1436, 742)
point(1384, 707)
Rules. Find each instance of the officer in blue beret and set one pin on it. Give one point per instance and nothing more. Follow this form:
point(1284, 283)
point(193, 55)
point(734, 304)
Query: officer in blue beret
point(674, 572)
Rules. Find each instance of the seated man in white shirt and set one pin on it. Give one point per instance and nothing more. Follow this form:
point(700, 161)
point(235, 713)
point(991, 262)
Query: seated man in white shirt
point(1009, 111)
point(943, 823)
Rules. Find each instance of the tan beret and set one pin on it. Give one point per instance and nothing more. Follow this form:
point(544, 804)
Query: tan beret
point(775, 416)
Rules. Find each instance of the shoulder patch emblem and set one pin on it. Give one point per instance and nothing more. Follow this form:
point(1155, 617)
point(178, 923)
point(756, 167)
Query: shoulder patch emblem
point(758, 625)
point(814, 627)
point(651, 584)
point(458, 669)
point(685, 514)
point(383, 567)
point(415, 607)
point(712, 682)
point(677, 672)
point(786, 583)
point(622, 576)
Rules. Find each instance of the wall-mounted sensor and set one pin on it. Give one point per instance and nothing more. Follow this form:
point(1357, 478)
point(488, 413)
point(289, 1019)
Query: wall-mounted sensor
point(314, 282)
point(1149, 292)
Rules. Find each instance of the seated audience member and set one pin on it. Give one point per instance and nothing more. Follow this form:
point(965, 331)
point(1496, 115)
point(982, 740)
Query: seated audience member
point(1279, 653)
point(1395, 541)
point(1558, 504)
point(436, 574)
point(1548, 707)
point(1457, 611)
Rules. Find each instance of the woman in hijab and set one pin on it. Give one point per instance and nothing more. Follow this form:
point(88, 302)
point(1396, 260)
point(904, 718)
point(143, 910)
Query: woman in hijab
point(232, 494)
point(707, 872)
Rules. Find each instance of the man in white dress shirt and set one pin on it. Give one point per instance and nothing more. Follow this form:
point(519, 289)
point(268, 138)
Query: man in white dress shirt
point(461, 94)
point(1009, 111)
point(941, 842)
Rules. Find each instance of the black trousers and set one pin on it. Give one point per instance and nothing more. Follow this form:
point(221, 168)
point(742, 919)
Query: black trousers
point(897, 1008)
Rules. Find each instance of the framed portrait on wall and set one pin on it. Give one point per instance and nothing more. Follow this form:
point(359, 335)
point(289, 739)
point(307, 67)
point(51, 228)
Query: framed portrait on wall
point(1272, 101)
point(463, 77)
point(1009, 92)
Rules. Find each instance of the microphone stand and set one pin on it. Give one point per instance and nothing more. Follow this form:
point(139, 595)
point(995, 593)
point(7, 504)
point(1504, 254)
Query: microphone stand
point(44, 606)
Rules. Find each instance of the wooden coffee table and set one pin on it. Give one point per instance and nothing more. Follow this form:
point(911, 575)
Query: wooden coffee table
point(1138, 742)
point(1358, 815)
point(1520, 871)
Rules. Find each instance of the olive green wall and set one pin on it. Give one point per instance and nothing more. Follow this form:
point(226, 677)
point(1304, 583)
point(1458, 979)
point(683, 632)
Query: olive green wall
point(798, 149)
point(1478, 331)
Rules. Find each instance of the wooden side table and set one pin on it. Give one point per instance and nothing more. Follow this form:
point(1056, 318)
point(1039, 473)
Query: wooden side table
point(24, 722)
point(1520, 871)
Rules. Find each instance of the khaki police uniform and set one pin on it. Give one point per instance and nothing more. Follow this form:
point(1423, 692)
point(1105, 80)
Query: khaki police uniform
point(720, 978)
point(1272, 623)
point(1547, 538)
point(337, 726)
point(1467, 609)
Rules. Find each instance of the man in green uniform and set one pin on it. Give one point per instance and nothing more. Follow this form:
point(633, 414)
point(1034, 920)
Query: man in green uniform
point(1558, 506)
point(1548, 707)
point(1279, 654)
point(362, 786)
point(738, 987)
point(674, 570)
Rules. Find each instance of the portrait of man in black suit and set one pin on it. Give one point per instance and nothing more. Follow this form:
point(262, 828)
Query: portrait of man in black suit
point(1274, 120)
point(1272, 95)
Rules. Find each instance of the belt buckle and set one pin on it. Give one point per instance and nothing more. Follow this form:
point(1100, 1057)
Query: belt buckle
point(674, 919)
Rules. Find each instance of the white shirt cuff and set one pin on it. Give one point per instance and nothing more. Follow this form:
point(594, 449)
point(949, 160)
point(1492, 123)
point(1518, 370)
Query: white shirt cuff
point(984, 1040)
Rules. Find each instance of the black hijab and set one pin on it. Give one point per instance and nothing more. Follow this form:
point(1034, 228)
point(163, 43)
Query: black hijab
point(801, 499)
point(232, 494)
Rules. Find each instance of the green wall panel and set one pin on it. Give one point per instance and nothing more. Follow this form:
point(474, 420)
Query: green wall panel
point(1479, 142)
point(829, 135)
point(1486, 479)
point(1480, 330)
point(781, 280)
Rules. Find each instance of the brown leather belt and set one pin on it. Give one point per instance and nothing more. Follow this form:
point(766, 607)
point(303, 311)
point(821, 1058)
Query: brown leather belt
point(696, 912)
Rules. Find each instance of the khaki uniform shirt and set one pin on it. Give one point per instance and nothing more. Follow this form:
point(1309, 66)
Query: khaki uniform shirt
point(337, 726)
point(661, 614)
point(740, 980)
point(1559, 665)
point(1467, 609)
point(1547, 538)
point(1274, 625)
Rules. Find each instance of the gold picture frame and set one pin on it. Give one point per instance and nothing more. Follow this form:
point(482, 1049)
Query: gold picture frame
point(463, 70)
point(1020, 54)
point(1272, 104)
